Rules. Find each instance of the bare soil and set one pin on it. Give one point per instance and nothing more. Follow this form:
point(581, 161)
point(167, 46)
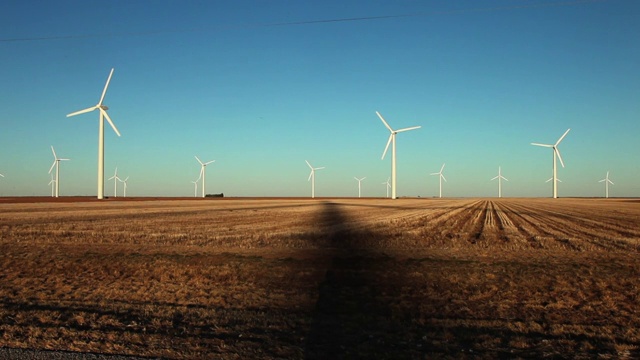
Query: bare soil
point(324, 278)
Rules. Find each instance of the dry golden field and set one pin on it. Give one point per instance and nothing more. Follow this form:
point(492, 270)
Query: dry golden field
point(323, 279)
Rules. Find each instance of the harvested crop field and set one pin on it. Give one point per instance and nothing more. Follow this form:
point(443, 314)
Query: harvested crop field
point(322, 279)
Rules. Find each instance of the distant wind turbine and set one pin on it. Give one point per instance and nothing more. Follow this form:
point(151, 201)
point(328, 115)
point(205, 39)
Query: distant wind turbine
point(441, 177)
point(103, 114)
point(606, 185)
point(52, 183)
point(312, 177)
point(388, 185)
point(552, 179)
point(195, 188)
point(500, 178)
point(203, 173)
point(124, 182)
point(115, 183)
point(359, 183)
point(56, 163)
point(556, 152)
point(392, 139)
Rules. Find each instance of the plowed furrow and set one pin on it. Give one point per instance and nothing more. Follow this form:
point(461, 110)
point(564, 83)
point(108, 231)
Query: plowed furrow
point(583, 229)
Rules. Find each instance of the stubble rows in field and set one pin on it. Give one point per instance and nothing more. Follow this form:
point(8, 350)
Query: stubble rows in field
point(319, 279)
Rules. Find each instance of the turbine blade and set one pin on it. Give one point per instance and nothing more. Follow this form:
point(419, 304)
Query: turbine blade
point(559, 157)
point(319, 168)
point(384, 122)
point(444, 178)
point(82, 111)
point(109, 120)
point(494, 178)
point(409, 128)
point(209, 162)
point(562, 137)
point(310, 175)
point(387, 147)
point(104, 92)
point(543, 145)
point(504, 178)
point(64, 159)
point(311, 167)
point(442, 168)
point(54, 153)
point(52, 165)
point(199, 160)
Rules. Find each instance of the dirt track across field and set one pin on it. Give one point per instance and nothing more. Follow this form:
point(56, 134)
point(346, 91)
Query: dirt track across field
point(324, 278)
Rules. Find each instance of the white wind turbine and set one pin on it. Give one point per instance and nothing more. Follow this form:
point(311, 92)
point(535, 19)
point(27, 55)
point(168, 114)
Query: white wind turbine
point(556, 152)
point(388, 185)
point(392, 139)
point(103, 114)
point(441, 177)
point(195, 185)
point(203, 173)
point(500, 178)
point(115, 183)
point(52, 183)
point(195, 188)
point(312, 177)
point(124, 182)
point(359, 183)
point(56, 163)
point(606, 185)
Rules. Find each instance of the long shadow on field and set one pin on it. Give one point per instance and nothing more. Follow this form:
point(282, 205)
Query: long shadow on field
point(352, 318)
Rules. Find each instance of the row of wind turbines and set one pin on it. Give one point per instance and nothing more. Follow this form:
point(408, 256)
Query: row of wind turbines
point(102, 111)
point(392, 141)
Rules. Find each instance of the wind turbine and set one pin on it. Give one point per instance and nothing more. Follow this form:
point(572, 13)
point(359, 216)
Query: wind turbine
point(500, 178)
point(606, 184)
point(195, 188)
point(115, 183)
point(359, 182)
point(556, 152)
point(312, 177)
point(552, 179)
point(103, 114)
point(56, 163)
point(388, 185)
point(52, 183)
point(125, 186)
point(203, 172)
point(392, 138)
point(441, 178)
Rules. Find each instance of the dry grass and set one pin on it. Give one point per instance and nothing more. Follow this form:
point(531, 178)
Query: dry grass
point(323, 279)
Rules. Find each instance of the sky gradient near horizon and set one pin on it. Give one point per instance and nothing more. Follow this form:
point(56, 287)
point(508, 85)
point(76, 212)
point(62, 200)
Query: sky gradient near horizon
point(262, 86)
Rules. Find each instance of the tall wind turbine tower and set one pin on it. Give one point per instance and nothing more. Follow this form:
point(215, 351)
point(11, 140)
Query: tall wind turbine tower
point(359, 183)
point(56, 163)
point(115, 183)
point(441, 177)
point(500, 178)
point(312, 177)
point(606, 185)
point(556, 152)
point(103, 114)
point(203, 173)
point(392, 139)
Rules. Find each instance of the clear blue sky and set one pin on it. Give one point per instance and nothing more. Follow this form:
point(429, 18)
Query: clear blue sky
point(218, 80)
